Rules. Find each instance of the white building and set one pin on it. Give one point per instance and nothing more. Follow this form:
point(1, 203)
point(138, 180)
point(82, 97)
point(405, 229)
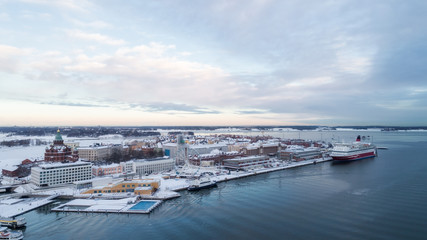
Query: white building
point(60, 173)
point(143, 167)
point(128, 167)
point(247, 163)
point(171, 149)
point(107, 169)
point(98, 152)
point(299, 153)
point(94, 153)
point(72, 145)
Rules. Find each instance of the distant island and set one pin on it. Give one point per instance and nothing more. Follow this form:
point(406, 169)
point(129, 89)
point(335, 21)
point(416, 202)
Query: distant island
point(141, 131)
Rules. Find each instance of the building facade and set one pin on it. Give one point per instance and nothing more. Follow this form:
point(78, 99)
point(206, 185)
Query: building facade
point(98, 152)
point(139, 187)
point(60, 173)
point(94, 153)
point(107, 170)
point(299, 153)
point(144, 166)
point(270, 149)
point(16, 171)
point(59, 152)
point(247, 163)
point(216, 158)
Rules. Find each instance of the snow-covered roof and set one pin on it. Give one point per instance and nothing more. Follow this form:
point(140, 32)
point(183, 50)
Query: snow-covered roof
point(270, 144)
point(106, 166)
point(59, 165)
point(11, 201)
point(10, 168)
point(208, 145)
point(93, 147)
point(245, 158)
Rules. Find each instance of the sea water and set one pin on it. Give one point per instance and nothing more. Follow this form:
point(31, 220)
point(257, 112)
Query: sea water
point(378, 198)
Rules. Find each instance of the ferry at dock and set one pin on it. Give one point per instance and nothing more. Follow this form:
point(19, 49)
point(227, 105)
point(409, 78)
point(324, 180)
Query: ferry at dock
point(201, 183)
point(6, 233)
point(13, 223)
point(358, 150)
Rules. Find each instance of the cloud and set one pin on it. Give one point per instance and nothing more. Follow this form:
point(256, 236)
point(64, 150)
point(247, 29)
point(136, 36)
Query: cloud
point(97, 24)
point(153, 72)
point(250, 112)
point(96, 37)
point(74, 5)
point(4, 17)
point(310, 60)
point(11, 58)
point(173, 108)
point(72, 104)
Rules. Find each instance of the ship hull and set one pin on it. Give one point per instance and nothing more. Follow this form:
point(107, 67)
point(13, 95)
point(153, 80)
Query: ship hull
point(353, 156)
point(195, 188)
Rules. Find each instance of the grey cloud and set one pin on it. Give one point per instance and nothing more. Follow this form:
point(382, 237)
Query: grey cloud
point(72, 104)
point(252, 112)
point(374, 52)
point(165, 107)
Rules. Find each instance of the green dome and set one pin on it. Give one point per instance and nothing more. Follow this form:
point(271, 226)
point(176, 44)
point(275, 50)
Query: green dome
point(58, 136)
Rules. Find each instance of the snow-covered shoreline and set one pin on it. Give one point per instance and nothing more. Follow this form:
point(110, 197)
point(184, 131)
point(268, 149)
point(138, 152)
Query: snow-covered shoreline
point(168, 189)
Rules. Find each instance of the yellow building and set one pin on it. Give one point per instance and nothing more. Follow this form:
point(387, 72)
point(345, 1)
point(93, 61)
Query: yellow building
point(138, 187)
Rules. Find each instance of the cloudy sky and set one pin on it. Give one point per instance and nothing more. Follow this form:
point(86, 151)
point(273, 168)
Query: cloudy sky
point(219, 62)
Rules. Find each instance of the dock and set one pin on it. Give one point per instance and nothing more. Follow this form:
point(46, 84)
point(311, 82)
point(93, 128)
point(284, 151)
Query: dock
point(243, 174)
point(13, 207)
point(122, 206)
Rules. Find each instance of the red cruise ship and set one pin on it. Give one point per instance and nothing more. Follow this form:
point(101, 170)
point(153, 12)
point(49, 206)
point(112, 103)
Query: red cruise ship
point(353, 151)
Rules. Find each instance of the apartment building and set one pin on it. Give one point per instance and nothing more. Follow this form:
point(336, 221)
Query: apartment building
point(98, 152)
point(60, 173)
point(247, 163)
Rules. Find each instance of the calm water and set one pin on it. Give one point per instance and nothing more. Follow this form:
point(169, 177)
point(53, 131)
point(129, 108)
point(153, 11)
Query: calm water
point(381, 198)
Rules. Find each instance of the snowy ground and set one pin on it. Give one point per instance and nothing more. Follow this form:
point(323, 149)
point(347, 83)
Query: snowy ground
point(13, 207)
point(11, 156)
point(10, 210)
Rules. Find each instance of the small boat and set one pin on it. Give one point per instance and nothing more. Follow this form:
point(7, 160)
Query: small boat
point(13, 223)
point(203, 182)
point(6, 233)
point(353, 151)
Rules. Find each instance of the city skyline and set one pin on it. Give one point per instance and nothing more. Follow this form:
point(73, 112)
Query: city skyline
point(222, 63)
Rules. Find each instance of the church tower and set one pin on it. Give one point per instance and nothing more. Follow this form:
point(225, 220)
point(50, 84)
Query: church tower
point(58, 139)
point(59, 152)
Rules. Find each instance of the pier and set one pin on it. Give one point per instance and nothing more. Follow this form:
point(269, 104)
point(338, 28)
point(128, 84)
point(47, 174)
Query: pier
point(238, 175)
point(13, 207)
point(127, 206)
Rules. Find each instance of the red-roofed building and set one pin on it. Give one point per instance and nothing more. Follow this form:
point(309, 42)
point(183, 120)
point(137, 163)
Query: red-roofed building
point(27, 162)
point(16, 171)
point(59, 152)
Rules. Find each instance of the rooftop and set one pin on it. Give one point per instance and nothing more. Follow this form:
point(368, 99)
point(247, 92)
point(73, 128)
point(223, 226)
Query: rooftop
point(61, 165)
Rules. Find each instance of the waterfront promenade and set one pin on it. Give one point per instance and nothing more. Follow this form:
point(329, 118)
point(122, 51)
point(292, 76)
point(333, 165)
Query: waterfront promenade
point(11, 205)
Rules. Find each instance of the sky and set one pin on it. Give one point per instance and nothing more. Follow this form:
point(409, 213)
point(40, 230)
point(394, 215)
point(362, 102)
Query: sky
point(222, 62)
